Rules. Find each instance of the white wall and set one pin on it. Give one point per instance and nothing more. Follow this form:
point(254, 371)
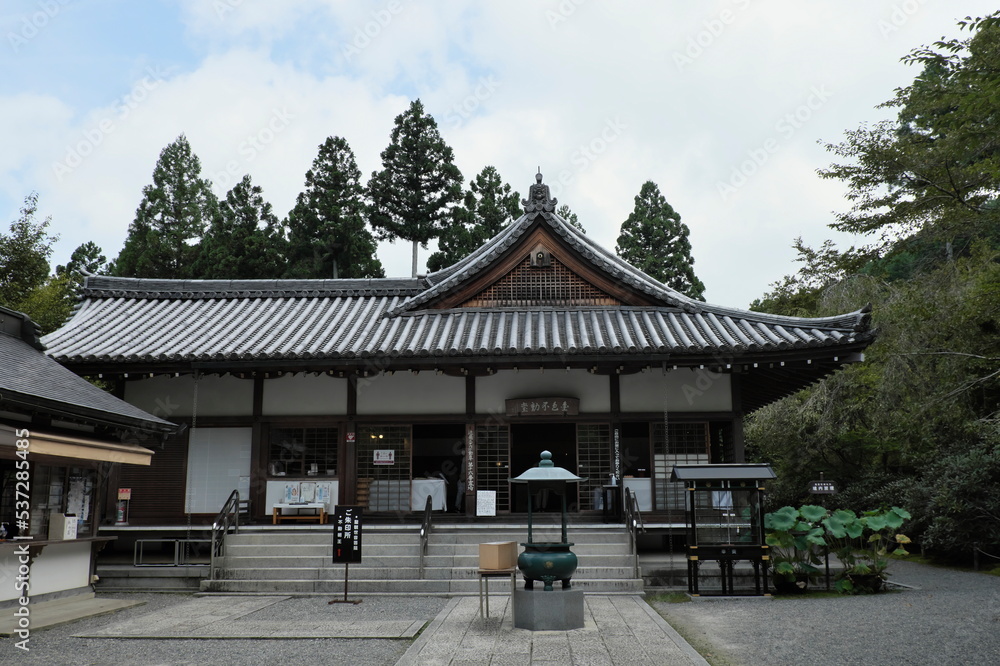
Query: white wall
point(167, 397)
point(406, 393)
point(305, 394)
point(60, 566)
point(680, 390)
point(593, 391)
point(218, 463)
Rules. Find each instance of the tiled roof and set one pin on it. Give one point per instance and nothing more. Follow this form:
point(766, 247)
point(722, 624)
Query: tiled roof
point(30, 380)
point(124, 321)
point(121, 322)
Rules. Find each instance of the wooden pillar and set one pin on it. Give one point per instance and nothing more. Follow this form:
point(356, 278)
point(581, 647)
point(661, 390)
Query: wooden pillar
point(347, 462)
point(616, 426)
point(739, 443)
point(258, 453)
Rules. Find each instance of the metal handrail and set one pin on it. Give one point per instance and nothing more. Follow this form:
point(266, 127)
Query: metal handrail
point(425, 532)
point(228, 517)
point(634, 526)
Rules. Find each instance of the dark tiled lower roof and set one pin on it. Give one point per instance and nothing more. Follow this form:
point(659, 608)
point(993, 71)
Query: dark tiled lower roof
point(30, 380)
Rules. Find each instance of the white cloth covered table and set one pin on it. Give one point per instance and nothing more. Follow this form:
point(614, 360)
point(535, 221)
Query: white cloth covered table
point(421, 488)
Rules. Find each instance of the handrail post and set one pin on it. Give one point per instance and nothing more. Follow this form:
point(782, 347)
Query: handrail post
point(425, 532)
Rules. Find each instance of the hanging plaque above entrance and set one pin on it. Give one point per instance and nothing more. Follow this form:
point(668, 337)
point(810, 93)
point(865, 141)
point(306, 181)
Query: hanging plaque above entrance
point(543, 407)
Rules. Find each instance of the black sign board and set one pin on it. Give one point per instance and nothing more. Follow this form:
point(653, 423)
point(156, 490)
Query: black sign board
point(822, 487)
point(346, 534)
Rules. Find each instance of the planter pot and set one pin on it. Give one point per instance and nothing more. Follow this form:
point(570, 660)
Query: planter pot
point(785, 585)
point(866, 583)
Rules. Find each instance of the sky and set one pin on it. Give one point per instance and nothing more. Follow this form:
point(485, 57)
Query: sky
point(727, 105)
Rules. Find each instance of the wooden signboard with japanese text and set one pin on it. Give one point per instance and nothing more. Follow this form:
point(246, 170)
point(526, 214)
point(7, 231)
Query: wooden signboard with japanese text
point(543, 407)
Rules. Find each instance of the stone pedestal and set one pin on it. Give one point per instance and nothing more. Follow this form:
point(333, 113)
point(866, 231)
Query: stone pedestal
point(555, 610)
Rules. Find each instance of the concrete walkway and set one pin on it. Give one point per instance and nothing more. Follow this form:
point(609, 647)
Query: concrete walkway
point(60, 611)
point(617, 630)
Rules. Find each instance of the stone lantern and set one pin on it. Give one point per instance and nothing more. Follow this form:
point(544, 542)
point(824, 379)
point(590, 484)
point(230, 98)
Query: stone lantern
point(547, 561)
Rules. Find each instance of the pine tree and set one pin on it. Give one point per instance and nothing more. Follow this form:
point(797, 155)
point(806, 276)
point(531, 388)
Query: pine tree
point(489, 205)
point(327, 235)
point(411, 197)
point(567, 214)
point(245, 240)
point(163, 239)
point(654, 240)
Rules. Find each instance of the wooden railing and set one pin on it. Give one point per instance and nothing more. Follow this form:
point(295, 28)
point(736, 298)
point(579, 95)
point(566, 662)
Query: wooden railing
point(228, 518)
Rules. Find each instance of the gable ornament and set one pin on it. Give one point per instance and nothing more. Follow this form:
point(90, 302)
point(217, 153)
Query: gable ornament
point(539, 198)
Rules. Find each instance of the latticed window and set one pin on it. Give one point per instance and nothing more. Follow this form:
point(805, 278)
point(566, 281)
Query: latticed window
point(384, 454)
point(493, 462)
point(593, 442)
point(684, 443)
point(554, 285)
point(303, 451)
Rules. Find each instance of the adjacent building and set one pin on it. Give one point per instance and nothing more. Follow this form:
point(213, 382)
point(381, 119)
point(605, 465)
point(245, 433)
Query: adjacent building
point(61, 437)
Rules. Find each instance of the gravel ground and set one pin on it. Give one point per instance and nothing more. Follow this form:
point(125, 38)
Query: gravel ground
point(58, 647)
point(951, 617)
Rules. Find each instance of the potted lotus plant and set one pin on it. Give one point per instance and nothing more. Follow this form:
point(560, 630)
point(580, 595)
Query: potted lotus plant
point(794, 536)
point(863, 544)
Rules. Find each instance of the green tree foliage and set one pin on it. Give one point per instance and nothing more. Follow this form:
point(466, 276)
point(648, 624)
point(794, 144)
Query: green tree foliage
point(567, 214)
point(412, 196)
point(245, 240)
point(25, 284)
point(935, 169)
point(163, 239)
point(654, 240)
point(489, 205)
point(327, 235)
point(917, 423)
point(24, 255)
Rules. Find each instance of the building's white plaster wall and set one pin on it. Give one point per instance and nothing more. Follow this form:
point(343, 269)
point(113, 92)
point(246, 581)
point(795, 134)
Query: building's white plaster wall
point(680, 390)
point(60, 566)
point(218, 463)
point(593, 391)
point(305, 394)
point(168, 397)
point(406, 393)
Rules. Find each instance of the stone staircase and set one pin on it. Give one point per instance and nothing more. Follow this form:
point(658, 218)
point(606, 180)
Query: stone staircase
point(299, 563)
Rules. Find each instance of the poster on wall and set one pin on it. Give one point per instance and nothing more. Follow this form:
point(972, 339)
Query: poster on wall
point(384, 457)
point(486, 502)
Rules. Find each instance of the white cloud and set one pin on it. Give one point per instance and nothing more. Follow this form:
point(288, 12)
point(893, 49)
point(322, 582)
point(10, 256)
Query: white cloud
point(517, 85)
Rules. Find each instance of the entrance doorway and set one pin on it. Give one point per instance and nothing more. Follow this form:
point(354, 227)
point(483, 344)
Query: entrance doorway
point(528, 440)
point(439, 454)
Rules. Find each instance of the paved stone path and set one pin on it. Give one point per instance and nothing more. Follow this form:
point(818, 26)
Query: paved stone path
point(226, 617)
point(617, 630)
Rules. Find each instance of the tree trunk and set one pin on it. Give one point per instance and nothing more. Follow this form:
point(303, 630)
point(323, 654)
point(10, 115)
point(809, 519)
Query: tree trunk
point(414, 258)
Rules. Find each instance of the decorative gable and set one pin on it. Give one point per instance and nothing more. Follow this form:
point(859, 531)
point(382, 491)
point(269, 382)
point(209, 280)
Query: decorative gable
point(540, 282)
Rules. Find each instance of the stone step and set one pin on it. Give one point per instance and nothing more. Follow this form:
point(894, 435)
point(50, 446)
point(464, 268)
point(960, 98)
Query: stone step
point(336, 572)
point(398, 586)
point(390, 560)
